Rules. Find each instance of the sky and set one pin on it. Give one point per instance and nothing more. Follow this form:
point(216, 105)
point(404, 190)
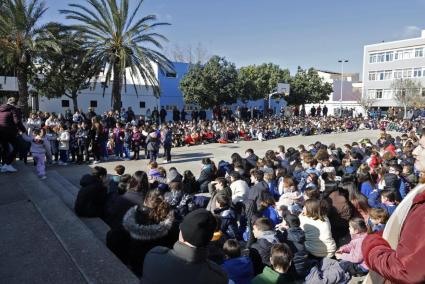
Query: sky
point(306, 33)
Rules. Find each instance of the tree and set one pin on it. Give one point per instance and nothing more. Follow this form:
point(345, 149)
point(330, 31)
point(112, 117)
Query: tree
point(116, 39)
point(258, 81)
point(307, 87)
point(366, 102)
point(65, 72)
point(407, 92)
point(215, 83)
point(22, 40)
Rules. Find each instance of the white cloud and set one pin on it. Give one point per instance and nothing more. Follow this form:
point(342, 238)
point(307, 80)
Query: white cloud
point(410, 32)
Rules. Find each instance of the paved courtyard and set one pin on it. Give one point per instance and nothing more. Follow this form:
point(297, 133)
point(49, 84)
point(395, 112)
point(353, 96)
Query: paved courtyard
point(189, 158)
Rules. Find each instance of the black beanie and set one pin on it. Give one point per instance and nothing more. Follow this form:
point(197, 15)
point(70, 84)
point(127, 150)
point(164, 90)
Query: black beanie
point(198, 227)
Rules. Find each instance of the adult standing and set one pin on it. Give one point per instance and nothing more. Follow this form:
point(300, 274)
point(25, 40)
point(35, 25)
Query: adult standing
point(397, 256)
point(163, 115)
point(325, 111)
point(188, 261)
point(176, 114)
point(167, 140)
point(10, 123)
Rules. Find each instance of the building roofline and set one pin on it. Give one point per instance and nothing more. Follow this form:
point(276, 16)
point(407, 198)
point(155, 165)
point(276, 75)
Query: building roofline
point(393, 41)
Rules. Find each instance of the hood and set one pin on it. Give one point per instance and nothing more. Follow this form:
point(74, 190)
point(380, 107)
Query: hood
point(146, 232)
point(154, 172)
point(240, 265)
point(6, 108)
point(296, 235)
point(174, 175)
point(269, 236)
point(88, 180)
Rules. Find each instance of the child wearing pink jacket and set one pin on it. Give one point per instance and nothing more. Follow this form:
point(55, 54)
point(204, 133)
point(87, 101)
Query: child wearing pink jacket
point(350, 255)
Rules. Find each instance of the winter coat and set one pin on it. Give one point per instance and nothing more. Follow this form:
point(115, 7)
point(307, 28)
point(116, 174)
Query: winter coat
point(253, 202)
point(295, 239)
point(181, 265)
point(239, 270)
point(352, 251)
point(91, 198)
point(259, 251)
point(41, 146)
point(117, 206)
point(11, 119)
point(251, 161)
point(206, 176)
point(318, 235)
point(239, 191)
point(229, 224)
point(404, 263)
point(64, 138)
point(340, 212)
point(327, 271)
point(133, 241)
point(269, 276)
point(214, 193)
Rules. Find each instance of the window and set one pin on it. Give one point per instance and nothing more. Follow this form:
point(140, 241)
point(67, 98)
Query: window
point(371, 94)
point(93, 103)
point(380, 75)
point(398, 74)
point(387, 74)
point(372, 58)
point(423, 92)
point(142, 104)
point(65, 103)
point(387, 94)
point(419, 52)
point(379, 94)
point(398, 55)
point(381, 57)
point(389, 56)
point(171, 74)
point(408, 53)
point(407, 73)
point(417, 72)
point(372, 76)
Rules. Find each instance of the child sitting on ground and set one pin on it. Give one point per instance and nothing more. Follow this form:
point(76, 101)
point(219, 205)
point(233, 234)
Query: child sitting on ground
point(351, 254)
point(378, 217)
point(387, 200)
point(228, 216)
point(119, 171)
point(239, 268)
point(40, 147)
point(280, 259)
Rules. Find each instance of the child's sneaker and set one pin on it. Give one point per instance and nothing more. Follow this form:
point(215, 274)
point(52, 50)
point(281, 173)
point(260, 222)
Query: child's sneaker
point(43, 177)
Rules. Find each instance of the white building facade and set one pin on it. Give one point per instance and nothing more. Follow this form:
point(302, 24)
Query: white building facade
point(351, 92)
point(384, 62)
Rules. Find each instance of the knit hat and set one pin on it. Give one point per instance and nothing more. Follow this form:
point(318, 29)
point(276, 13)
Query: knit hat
point(198, 227)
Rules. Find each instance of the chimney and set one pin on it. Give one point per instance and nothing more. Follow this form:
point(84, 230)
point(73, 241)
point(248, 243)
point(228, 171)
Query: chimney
point(423, 34)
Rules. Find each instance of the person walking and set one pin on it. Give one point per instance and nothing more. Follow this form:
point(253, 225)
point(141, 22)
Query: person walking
point(10, 124)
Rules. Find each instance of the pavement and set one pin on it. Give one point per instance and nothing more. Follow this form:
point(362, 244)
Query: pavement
point(189, 158)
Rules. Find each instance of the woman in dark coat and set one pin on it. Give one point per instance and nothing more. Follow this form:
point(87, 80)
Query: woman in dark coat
point(207, 174)
point(117, 205)
point(91, 198)
point(143, 228)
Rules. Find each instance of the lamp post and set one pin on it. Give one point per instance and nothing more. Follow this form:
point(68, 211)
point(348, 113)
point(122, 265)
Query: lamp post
point(342, 61)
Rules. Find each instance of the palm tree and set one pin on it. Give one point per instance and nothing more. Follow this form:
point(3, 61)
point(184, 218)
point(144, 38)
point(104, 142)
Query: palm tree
point(118, 40)
point(22, 40)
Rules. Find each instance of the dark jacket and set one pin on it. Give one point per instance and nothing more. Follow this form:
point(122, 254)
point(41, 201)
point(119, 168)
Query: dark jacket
point(239, 270)
point(253, 202)
point(260, 250)
point(118, 205)
point(214, 193)
point(11, 119)
point(229, 224)
point(133, 241)
point(206, 176)
point(295, 238)
point(340, 212)
point(181, 265)
point(91, 198)
point(252, 161)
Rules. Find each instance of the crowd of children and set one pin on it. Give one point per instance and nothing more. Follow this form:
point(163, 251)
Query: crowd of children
point(295, 214)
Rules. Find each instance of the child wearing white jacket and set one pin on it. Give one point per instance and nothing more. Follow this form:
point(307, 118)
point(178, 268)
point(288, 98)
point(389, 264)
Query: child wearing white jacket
point(63, 145)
